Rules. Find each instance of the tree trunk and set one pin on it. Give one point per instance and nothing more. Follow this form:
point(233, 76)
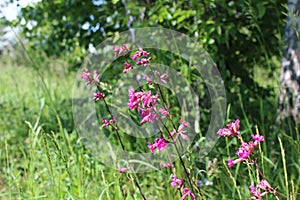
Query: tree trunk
point(289, 98)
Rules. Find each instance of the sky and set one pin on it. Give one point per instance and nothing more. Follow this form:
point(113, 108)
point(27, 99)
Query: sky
point(11, 10)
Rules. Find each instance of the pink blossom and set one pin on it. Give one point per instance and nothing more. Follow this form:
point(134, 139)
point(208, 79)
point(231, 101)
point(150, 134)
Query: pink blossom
point(231, 130)
point(181, 130)
point(171, 135)
point(152, 147)
point(149, 80)
point(149, 115)
point(121, 170)
point(149, 100)
point(135, 98)
point(108, 122)
point(98, 96)
point(254, 191)
point(127, 67)
point(177, 181)
point(185, 124)
point(143, 61)
point(186, 192)
point(86, 75)
point(166, 165)
point(139, 54)
point(159, 144)
point(234, 126)
point(230, 163)
point(105, 122)
point(245, 150)
point(162, 77)
point(225, 132)
point(122, 51)
point(258, 138)
point(265, 185)
point(234, 162)
point(165, 113)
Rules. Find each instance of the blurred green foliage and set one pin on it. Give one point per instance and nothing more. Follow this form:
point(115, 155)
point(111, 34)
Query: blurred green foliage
point(244, 38)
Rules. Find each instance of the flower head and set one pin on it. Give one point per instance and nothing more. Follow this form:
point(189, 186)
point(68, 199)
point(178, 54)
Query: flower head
point(258, 138)
point(159, 144)
point(139, 54)
point(127, 67)
point(230, 163)
point(231, 130)
point(165, 113)
point(162, 77)
point(86, 75)
point(186, 192)
point(108, 122)
point(143, 61)
point(166, 165)
point(121, 170)
point(177, 182)
point(149, 115)
point(98, 96)
point(122, 51)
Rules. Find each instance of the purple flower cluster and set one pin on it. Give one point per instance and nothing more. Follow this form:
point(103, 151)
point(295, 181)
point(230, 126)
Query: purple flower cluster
point(256, 194)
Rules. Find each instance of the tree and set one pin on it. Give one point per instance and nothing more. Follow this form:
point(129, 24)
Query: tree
point(237, 34)
point(289, 99)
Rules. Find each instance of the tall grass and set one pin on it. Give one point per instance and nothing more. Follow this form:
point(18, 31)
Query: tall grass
point(43, 157)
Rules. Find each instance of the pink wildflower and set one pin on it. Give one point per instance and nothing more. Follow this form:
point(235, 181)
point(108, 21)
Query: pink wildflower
point(105, 122)
point(234, 162)
point(185, 124)
point(122, 51)
point(159, 144)
point(230, 163)
point(166, 165)
point(225, 132)
point(254, 191)
point(149, 100)
point(181, 130)
point(177, 181)
point(231, 130)
point(149, 115)
point(139, 54)
point(108, 122)
point(258, 138)
point(86, 75)
point(152, 147)
point(171, 135)
point(127, 67)
point(149, 80)
point(262, 185)
point(165, 113)
point(162, 77)
point(121, 170)
point(143, 61)
point(245, 150)
point(135, 99)
point(98, 96)
point(265, 185)
point(186, 192)
point(234, 126)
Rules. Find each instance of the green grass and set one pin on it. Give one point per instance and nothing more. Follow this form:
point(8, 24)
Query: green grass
point(42, 156)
